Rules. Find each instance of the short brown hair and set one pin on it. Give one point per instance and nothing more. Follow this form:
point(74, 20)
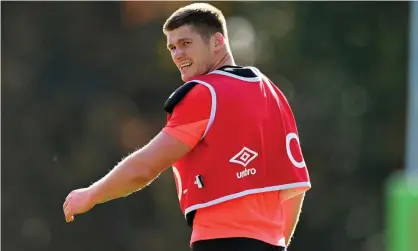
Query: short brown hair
point(205, 18)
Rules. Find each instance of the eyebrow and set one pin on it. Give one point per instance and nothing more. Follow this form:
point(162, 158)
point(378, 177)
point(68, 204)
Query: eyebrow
point(179, 41)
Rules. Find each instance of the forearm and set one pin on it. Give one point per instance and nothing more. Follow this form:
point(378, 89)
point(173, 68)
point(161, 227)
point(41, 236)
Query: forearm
point(131, 174)
point(127, 177)
point(292, 208)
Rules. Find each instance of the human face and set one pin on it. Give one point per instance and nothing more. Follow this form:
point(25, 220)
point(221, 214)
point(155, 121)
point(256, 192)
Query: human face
point(191, 54)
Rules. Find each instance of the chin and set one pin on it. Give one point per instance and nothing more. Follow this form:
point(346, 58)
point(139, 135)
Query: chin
point(187, 77)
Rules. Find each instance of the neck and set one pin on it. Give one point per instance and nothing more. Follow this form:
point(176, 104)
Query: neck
point(225, 59)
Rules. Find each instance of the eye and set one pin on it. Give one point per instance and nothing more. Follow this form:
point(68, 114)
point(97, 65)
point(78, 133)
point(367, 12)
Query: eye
point(171, 48)
point(185, 43)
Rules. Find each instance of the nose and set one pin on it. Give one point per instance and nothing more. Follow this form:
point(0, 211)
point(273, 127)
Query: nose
point(178, 53)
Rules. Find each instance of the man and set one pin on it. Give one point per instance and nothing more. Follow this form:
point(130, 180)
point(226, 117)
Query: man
point(231, 140)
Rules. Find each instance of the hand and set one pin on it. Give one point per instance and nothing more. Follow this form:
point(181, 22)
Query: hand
point(77, 202)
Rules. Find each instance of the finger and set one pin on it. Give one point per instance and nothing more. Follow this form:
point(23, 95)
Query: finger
point(69, 195)
point(67, 199)
point(69, 218)
point(67, 210)
point(68, 214)
point(65, 204)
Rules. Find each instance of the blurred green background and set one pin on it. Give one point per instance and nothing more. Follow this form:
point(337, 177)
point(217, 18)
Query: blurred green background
point(83, 85)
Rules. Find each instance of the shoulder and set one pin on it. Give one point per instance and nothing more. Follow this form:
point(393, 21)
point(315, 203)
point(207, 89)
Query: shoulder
point(244, 72)
point(191, 90)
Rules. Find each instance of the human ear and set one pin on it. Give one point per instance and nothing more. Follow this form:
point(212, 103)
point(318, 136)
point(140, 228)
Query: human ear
point(218, 41)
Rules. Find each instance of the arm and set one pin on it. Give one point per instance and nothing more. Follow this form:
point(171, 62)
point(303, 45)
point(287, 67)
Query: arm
point(131, 174)
point(139, 169)
point(182, 132)
point(292, 208)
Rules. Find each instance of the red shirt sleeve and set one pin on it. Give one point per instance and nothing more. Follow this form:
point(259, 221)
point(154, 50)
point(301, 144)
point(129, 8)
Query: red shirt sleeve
point(190, 116)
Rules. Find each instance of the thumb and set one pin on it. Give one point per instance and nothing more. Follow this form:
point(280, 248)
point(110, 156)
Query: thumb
point(70, 219)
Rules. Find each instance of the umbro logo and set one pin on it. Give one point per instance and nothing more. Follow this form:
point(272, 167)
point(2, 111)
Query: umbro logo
point(244, 157)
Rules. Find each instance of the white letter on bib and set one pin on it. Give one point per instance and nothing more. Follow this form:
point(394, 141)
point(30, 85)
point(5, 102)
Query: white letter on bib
point(178, 179)
point(289, 137)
